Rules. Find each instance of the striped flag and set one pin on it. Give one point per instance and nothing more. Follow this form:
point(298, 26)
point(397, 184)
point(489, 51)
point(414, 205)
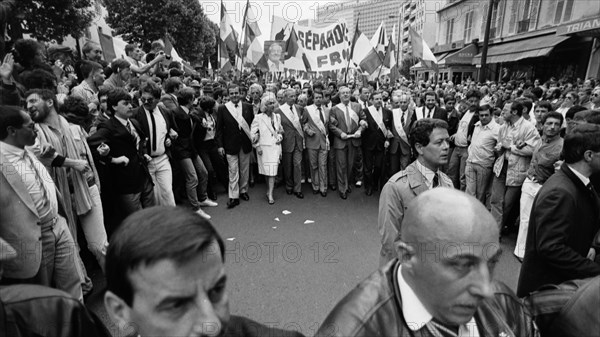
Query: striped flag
point(421, 50)
point(379, 41)
point(253, 50)
point(224, 60)
point(295, 58)
point(362, 52)
point(227, 33)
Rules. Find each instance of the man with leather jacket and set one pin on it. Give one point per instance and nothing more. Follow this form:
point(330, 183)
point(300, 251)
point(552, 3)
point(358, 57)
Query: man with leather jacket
point(443, 286)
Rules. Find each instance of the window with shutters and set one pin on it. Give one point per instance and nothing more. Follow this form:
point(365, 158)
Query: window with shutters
point(449, 30)
point(564, 9)
point(468, 26)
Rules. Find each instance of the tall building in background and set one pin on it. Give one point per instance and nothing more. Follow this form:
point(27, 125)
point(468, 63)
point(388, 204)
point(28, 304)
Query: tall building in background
point(330, 12)
point(421, 15)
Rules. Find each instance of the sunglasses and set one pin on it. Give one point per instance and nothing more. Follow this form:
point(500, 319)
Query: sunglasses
point(569, 97)
point(146, 100)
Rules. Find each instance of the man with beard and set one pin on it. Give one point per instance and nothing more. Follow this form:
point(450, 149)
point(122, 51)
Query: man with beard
point(430, 109)
point(440, 282)
point(429, 140)
point(53, 129)
point(165, 276)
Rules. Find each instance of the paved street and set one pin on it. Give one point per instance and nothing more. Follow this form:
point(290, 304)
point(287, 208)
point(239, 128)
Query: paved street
point(291, 274)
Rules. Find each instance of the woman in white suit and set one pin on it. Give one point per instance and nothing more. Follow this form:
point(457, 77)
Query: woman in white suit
point(267, 134)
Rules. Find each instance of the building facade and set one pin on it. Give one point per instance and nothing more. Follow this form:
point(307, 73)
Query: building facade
point(529, 39)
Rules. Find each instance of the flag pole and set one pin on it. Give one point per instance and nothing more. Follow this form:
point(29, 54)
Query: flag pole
point(352, 47)
point(243, 38)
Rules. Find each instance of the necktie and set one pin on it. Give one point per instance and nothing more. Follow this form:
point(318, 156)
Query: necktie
point(321, 115)
point(133, 134)
point(153, 121)
point(402, 117)
point(429, 114)
point(348, 118)
point(436, 180)
point(591, 188)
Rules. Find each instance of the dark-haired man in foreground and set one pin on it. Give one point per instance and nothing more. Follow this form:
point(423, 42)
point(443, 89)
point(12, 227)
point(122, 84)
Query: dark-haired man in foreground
point(165, 276)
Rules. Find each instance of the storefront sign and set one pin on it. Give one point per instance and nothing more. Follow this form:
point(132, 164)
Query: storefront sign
point(580, 26)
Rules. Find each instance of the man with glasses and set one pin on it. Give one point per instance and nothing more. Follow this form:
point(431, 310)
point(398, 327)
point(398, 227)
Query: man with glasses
point(595, 101)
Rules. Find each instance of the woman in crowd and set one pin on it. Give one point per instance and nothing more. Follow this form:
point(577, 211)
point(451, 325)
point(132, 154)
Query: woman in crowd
point(267, 134)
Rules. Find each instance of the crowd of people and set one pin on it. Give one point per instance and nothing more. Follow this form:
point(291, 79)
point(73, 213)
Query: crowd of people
point(96, 147)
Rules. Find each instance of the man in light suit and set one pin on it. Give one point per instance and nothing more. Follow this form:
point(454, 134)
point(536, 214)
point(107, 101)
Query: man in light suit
point(375, 141)
point(292, 144)
point(347, 122)
point(316, 132)
point(233, 140)
point(399, 150)
point(430, 109)
point(30, 219)
point(430, 140)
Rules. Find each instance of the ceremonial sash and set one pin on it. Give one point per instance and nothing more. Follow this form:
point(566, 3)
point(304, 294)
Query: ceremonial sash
point(240, 119)
point(314, 115)
point(295, 121)
point(399, 127)
point(378, 118)
point(353, 115)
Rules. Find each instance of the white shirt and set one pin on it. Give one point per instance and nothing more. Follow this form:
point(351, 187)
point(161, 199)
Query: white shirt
point(417, 316)
point(585, 180)
point(463, 127)
point(485, 138)
point(427, 173)
point(36, 179)
point(397, 114)
point(161, 132)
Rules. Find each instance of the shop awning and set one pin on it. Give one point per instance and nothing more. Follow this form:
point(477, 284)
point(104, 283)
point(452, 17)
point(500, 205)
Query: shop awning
point(463, 56)
point(523, 49)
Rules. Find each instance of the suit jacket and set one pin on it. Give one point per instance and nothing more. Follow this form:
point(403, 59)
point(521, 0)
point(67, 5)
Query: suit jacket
point(169, 102)
point(398, 143)
point(126, 179)
point(228, 134)
point(564, 220)
point(185, 124)
point(374, 308)
point(337, 125)
point(263, 133)
point(373, 138)
point(397, 193)
point(19, 224)
point(438, 113)
point(139, 114)
point(292, 138)
point(319, 139)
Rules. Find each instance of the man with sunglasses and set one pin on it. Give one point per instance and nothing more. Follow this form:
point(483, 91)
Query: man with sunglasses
point(595, 100)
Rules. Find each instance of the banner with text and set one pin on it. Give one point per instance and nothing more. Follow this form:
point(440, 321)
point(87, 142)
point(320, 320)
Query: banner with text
point(327, 48)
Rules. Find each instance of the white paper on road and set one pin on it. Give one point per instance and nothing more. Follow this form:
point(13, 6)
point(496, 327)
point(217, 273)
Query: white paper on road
point(275, 227)
point(276, 219)
point(308, 222)
point(286, 212)
point(230, 239)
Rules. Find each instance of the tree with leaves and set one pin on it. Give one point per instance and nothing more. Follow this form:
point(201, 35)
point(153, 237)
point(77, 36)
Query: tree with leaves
point(182, 21)
point(47, 20)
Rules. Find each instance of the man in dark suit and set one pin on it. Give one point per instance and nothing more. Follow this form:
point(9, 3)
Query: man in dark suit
point(125, 156)
point(347, 122)
point(375, 140)
point(292, 144)
point(565, 217)
point(399, 150)
point(430, 109)
point(157, 123)
point(233, 140)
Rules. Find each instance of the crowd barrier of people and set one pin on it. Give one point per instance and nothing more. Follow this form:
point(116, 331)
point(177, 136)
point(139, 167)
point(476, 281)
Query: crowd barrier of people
point(124, 161)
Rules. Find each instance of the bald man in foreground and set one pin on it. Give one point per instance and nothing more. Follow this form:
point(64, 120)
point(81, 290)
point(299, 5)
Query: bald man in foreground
point(443, 286)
